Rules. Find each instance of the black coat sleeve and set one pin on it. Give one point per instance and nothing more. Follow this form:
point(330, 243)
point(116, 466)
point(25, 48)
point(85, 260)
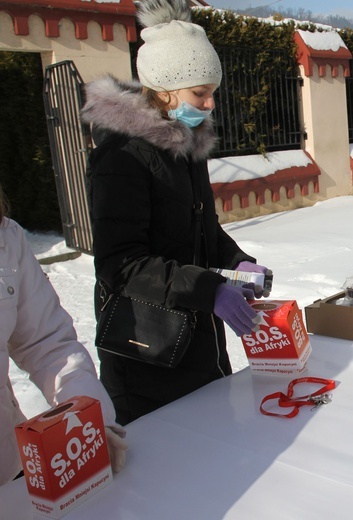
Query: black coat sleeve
point(229, 251)
point(226, 253)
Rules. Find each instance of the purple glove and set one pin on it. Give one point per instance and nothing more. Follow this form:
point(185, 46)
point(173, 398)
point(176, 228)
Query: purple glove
point(230, 305)
point(250, 267)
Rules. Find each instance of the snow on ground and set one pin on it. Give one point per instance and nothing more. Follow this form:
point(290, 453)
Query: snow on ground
point(310, 251)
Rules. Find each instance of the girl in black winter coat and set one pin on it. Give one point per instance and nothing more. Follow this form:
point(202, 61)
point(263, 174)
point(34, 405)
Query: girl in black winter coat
point(153, 140)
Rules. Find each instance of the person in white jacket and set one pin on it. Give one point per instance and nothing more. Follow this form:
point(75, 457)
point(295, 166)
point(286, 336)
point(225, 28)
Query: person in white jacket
point(38, 334)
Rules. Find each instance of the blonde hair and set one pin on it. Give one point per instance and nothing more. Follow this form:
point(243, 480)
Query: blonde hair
point(155, 101)
point(4, 205)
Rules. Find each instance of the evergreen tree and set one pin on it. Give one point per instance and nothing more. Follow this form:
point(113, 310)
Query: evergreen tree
point(26, 173)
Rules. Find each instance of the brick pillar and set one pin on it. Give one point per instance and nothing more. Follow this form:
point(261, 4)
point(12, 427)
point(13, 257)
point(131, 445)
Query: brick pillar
point(323, 59)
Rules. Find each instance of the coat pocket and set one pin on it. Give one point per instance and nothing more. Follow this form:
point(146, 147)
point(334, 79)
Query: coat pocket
point(8, 285)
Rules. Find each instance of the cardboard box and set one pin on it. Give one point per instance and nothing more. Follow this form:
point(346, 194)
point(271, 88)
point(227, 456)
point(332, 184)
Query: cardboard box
point(329, 318)
point(64, 455)
point(281, 346)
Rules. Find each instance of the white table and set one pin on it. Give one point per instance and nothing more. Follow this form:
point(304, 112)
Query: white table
point(213, 456)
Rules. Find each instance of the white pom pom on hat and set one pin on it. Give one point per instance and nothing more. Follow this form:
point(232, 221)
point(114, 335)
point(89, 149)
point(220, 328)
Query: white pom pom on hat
point(177, 53)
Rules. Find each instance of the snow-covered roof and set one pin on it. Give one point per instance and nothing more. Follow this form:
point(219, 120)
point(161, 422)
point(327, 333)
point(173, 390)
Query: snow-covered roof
point(248, 167)
point(323, 41)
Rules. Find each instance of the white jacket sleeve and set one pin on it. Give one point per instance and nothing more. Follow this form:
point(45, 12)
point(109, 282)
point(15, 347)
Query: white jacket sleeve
point(44, 341)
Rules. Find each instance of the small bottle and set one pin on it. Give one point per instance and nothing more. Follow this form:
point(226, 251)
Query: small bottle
point(240, 278)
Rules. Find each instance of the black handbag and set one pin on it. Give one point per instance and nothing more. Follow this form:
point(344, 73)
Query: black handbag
point(144, 331)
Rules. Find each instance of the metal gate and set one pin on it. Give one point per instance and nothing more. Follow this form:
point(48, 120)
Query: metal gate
point(70, 144)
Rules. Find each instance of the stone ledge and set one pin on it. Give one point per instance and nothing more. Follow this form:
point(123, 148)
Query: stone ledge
point(63, 257)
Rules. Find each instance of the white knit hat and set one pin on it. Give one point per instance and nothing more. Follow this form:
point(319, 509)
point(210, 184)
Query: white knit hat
point(177, 53)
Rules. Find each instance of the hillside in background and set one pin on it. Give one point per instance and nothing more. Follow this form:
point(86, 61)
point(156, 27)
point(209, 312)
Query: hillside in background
point(300, 14)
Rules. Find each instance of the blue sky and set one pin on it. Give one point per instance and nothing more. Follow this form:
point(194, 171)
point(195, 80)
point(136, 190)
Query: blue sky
point(339, 7)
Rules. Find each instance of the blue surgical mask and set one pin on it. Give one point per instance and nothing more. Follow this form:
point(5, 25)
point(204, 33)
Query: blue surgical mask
point(188, 114)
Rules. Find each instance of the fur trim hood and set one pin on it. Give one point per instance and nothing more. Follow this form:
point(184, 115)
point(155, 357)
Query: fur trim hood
point(120, 107)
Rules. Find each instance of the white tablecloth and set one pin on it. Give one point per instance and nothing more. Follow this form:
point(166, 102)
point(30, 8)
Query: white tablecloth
point(213, 456)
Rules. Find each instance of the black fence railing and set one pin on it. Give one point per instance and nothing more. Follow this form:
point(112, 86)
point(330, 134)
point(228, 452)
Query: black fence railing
point(70, 143)
point(257, 102)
